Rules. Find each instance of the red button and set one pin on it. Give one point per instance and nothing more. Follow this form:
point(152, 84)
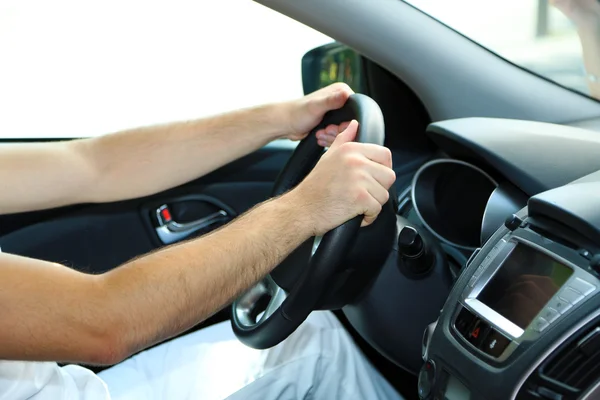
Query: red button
point(165, 214)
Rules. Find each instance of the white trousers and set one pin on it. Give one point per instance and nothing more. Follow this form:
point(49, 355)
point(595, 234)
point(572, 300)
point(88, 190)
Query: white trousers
point(318, 361)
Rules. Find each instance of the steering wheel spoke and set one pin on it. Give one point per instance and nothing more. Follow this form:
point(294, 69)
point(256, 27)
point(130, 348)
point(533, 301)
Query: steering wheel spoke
point(259, 303)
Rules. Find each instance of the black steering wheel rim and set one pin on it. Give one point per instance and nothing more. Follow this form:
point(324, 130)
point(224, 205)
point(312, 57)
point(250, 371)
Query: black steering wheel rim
point(289, 310)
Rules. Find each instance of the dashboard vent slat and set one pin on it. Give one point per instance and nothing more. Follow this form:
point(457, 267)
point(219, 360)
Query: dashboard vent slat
point(591, 374)
point(577, 365)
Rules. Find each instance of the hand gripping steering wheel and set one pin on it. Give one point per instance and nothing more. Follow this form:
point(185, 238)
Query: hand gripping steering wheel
point(271, 310)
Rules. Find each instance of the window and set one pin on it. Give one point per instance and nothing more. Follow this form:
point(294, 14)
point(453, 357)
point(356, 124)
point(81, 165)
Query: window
point(73, 68)
point(544, 37)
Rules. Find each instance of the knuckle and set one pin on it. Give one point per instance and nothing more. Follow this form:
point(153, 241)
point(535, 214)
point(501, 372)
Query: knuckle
point(377, 207)
point(362, 176)
point(353, 161)
point(391, 178)
point(387, 153)
point(341, 86)
point(386, 196)
point(361, 196)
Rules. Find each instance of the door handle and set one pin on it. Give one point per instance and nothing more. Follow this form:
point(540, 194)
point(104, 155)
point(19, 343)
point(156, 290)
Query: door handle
point(170, 231)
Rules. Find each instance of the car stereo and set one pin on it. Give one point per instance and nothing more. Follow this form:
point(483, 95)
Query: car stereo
point(520, 288)
point(523, 319)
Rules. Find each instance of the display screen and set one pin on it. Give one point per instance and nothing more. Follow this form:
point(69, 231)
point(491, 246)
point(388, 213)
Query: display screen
point(523, 285)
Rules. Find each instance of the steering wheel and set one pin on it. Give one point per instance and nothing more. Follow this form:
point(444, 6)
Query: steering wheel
point(295, 288)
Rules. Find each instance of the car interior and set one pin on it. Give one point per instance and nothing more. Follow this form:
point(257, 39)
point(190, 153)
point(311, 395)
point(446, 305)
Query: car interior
point(481, 277)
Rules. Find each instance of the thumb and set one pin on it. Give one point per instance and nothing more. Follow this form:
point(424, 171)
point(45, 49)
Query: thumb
point(348, 135)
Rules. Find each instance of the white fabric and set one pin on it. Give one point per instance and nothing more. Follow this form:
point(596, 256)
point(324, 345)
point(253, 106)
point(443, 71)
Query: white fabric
point(20, 380)
point(318, 361)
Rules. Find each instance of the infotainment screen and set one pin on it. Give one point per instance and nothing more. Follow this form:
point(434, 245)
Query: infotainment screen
point(523, 285)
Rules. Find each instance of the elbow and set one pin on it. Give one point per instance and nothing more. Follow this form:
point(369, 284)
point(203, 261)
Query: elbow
point(106, 351)
point(104, 346)
point(106, 333)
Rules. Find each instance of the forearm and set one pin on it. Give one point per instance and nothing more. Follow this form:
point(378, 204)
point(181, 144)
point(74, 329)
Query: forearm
point(199, 277)
point(148, 160)
point(132, 163)
point(60, 314)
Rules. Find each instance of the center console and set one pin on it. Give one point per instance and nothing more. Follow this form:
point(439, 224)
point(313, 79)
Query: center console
point(523, 319)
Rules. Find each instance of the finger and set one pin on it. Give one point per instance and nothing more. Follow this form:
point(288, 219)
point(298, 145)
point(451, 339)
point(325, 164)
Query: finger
point(383, 175)
point(347, 136)
point(320, 133)
point(379, 154)
point(335, 95)
point(377, 191)
point(342, 127)
point(327, 137)
point(332, 130)
point(372, 210)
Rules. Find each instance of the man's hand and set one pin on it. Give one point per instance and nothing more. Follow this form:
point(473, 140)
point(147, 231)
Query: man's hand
point(306, 113)
point(585, 14)
point(350, 179)
point(164, 293)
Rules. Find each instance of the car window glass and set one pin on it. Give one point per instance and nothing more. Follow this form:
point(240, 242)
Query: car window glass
point(75, 68)
point(544, 37)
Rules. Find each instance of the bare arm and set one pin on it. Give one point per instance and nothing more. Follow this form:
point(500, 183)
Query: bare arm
point(145, 161)
point(585, 14)
point(50, 312)
point(54, 313)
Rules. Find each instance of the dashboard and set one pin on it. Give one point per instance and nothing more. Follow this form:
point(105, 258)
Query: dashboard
point(498, 298)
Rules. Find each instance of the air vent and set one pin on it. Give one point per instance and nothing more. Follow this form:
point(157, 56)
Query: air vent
point(570, 370)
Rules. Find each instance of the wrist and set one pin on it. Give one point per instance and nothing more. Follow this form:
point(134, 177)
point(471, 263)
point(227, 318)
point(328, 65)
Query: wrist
point(278, 116)
point(291, 208)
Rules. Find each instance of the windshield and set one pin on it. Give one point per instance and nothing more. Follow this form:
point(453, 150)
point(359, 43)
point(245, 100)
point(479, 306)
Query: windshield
point(557, 39)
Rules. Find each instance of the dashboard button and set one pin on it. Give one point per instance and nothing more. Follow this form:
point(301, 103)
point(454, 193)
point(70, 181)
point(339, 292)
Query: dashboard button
point(540, 324)
point(473, 280)
point(464, 321)
point(571, 295)
point(550, 314)
point(426, 379)
point(494, 343)
point(478, 332)
point(472, 257)
point(560, 305)
point(582, 286)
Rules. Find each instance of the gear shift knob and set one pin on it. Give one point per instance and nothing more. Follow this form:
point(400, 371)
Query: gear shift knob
point(414, 255)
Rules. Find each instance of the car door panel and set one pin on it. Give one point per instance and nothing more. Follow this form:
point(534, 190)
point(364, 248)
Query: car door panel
point(98, 237)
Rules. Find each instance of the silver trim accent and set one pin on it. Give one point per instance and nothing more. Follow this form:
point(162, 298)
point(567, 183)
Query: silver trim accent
point(245, 305)
point(173, 231)
point(426, 340)
point(499, 322)
point(592, 393)
point(403, 199)
point(282, 144)
point(416, 207)
point(316, 244)
point(550, 349)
